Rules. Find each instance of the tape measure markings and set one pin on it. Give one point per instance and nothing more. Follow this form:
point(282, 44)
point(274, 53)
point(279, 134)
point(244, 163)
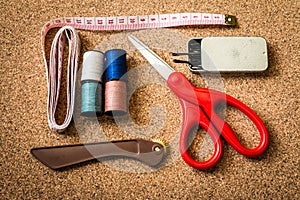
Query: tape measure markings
point(137, 22)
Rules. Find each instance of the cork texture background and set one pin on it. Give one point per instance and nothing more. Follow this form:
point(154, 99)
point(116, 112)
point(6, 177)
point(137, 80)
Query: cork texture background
point(154, 112)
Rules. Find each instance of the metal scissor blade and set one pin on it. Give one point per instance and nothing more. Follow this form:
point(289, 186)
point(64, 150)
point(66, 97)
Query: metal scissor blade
point(160, 65)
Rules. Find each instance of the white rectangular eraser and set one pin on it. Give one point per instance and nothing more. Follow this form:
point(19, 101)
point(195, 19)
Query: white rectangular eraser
point(234, 54)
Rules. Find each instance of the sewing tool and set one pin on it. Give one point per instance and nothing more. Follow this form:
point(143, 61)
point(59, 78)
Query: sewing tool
point(198, 108)
point(91, 98)
point(140, 22)
point(54, 74)
point(115, 97)
point(93, 66)
point(115, 86)
point(226, 54)
point(67, 32)
point(116, 67)
point(57, 157)
point(91, 83)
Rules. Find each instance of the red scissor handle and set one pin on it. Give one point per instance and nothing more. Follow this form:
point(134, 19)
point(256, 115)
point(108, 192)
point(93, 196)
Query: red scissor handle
point(198, 106)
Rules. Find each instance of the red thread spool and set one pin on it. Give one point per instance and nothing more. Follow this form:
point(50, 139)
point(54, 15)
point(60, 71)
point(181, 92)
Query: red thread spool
point(115, 98)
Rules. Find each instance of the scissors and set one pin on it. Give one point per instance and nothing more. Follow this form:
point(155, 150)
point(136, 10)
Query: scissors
point(198, 108)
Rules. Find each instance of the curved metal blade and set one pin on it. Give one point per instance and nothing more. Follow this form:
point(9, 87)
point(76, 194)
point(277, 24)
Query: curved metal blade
point(160, 65)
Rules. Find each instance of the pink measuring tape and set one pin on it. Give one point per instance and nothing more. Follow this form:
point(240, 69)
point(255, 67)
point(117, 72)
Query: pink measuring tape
point(69, 34)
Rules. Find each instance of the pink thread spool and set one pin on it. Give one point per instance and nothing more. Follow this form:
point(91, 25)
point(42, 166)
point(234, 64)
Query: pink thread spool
point(115, 97)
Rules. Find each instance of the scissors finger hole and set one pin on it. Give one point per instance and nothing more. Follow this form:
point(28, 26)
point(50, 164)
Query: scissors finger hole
point(244, 128)
point(200, 144)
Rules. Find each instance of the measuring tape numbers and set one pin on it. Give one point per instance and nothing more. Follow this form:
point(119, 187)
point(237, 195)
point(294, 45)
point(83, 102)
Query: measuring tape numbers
point(68, 33)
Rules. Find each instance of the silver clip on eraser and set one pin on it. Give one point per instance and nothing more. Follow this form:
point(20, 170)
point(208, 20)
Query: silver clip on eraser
point(226, 54)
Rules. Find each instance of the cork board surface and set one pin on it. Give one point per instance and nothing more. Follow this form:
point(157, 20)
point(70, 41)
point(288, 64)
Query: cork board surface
point(155, 112)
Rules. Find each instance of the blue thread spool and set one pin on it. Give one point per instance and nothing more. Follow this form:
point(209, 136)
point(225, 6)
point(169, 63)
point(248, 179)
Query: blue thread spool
point(115, 61)
point(91, 83)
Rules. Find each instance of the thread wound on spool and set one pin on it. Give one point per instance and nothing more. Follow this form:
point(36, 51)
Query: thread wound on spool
point(91, 99)
point(93, 65)
point(91, 83)
point(115, 97)
point(115, 61)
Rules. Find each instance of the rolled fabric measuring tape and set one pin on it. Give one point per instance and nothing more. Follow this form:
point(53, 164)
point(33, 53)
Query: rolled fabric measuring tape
point(69, 24)
point(54, 74)
point(115, 86)
point(91, 83)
